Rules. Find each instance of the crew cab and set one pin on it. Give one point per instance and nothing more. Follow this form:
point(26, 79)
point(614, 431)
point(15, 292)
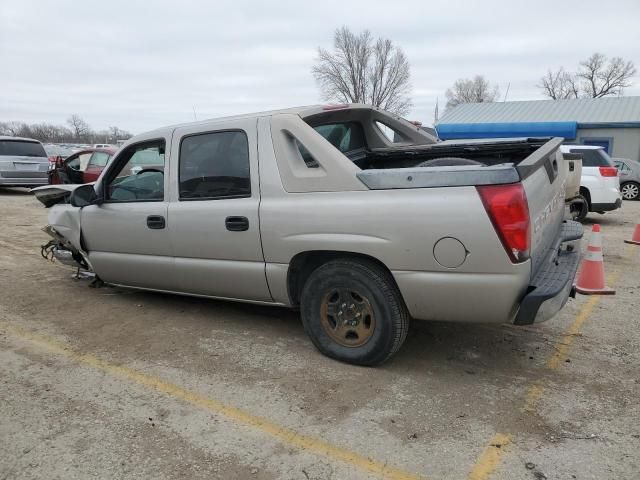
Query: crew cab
point(600, 185)
point(353, 215)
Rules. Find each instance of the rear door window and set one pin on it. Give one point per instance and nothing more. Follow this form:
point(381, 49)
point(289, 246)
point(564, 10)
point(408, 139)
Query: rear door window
point(20, 148)
point(214, 166)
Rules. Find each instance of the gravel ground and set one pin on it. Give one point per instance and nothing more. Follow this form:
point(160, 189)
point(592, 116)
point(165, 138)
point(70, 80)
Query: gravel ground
point(111, 383)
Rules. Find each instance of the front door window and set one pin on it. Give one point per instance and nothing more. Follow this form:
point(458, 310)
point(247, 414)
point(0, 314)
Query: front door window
point(140, 175)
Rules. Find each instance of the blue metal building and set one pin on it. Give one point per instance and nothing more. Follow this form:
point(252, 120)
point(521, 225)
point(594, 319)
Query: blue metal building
point(613, 123)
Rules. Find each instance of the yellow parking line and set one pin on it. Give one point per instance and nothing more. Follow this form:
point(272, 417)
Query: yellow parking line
point(283, 434)
point(533, 395)
point(490, 458)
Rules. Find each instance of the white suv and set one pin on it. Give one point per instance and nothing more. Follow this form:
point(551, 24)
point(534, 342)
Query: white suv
point(600, 185)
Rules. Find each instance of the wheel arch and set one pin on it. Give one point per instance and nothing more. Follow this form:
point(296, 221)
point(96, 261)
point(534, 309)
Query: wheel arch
point(584, 191)
point(304, 263)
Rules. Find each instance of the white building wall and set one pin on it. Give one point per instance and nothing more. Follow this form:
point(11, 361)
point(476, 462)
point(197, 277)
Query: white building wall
point(625, 141)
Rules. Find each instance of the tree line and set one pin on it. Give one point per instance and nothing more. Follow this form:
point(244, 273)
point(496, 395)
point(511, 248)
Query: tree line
point(76, 130)
point(361, 69)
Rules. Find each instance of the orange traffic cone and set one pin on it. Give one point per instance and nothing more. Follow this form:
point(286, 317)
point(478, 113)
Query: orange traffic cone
point(635, 238)
point(591, 274)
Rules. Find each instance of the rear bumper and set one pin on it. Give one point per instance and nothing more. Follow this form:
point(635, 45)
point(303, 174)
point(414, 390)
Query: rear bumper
point(23, 179)
point(606, 207)
point(552, 285)
point(23, 182)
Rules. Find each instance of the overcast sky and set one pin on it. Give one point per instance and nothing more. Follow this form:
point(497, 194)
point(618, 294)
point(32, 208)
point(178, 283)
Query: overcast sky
point(141, 65)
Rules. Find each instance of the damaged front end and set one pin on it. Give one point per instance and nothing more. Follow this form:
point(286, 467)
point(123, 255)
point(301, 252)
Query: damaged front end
point(62, 250)
point(65, 245)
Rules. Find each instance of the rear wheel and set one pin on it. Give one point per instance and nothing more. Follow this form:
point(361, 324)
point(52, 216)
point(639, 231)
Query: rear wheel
point(579, 211)
point(353, 312)
point(630, 190)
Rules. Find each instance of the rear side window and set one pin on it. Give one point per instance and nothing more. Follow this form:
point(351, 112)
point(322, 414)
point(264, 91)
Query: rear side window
point(214, 165)
point(390, 134)
point(594, 157)
point(21, 148)
point(622, 166)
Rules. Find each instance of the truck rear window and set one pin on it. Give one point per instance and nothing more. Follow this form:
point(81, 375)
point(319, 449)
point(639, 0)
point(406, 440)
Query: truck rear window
point(346, 137)
point(593, 157)
point(20, 148)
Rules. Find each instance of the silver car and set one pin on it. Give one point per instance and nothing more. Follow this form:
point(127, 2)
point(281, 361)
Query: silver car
point(23, 162)
point(629, 172)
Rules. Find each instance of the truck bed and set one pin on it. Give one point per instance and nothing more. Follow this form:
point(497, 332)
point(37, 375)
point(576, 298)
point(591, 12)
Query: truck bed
point(489, 153)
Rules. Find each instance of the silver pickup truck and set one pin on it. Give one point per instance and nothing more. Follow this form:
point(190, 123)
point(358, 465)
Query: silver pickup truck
point(353, 215)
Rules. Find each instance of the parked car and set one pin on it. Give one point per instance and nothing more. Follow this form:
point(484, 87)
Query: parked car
point(629, 171)
point(84, 166)
point(103, 145)
point(316, 208)
point(23, 162)
point(600, 185)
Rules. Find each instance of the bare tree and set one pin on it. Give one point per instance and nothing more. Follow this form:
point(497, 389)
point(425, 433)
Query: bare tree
point(602, 76)
point(471, 90)
point(46, 132)
point(596, 77)
point(114, 133)
point(361, 70)
point(11, 128)
point(79, 127)
point(559, 85)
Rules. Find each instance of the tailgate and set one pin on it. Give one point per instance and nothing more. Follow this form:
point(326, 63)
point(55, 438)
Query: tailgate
point(544, 180)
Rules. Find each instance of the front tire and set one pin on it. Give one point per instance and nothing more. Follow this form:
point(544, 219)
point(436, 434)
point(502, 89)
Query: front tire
point(353, 312)
point(630, 190)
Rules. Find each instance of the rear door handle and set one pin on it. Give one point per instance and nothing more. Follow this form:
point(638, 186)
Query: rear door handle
point(237, 224)
point(156, 222)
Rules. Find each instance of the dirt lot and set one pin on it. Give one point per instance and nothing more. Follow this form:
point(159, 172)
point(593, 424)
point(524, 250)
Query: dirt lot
point(109, 383)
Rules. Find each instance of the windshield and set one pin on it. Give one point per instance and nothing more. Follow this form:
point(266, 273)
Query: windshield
point(21, 148)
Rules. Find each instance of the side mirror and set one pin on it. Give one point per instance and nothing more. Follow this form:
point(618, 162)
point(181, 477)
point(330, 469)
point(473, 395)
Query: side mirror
point(83, 196)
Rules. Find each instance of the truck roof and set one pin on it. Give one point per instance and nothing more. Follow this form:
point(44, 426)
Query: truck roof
point(303, 111)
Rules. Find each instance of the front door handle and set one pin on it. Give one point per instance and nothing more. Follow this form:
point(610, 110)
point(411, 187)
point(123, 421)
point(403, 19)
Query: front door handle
point(237, 224)
point(156, 222)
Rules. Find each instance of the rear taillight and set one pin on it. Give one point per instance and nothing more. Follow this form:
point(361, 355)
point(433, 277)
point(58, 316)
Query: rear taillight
point(609, 171)
point(508, 210)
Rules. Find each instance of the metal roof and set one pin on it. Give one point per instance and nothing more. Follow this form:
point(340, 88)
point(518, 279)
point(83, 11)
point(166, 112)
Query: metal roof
point(581, 110)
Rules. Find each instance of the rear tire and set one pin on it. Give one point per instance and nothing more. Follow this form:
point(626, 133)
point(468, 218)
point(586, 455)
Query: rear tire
point(353, 312)
point(630, 190)
point(580, 215)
